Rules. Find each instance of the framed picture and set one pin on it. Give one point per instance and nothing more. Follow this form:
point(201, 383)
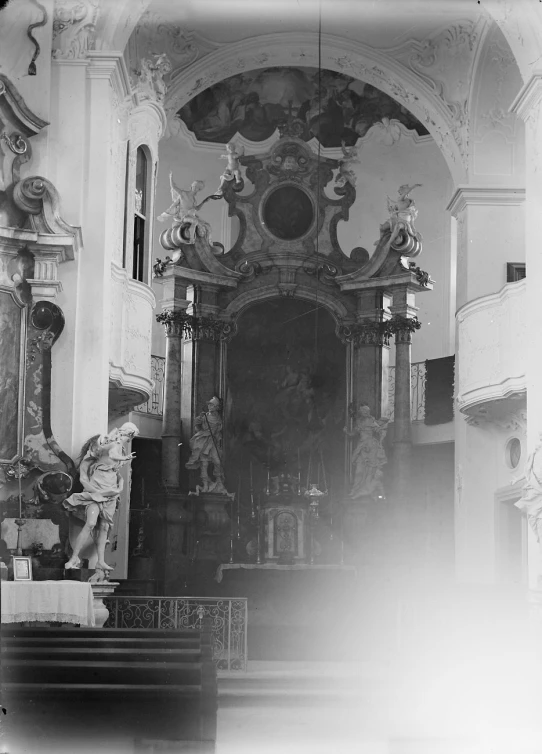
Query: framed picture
point(22, 568)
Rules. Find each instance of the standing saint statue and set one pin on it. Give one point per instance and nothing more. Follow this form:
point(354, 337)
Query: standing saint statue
point(206, 448)
point(530, 502)
point(102, 457)
point(369, 455)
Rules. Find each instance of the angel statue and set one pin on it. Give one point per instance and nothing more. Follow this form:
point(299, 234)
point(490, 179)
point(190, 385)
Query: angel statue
point(403, 212)
point(369, 455)
point(346, 172)
point(232, 171)
point(102, 457)
point(151, 77)
point(184, 212)
point(206, 448)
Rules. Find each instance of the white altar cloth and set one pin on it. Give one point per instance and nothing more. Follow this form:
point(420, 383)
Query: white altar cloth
point(62, 601)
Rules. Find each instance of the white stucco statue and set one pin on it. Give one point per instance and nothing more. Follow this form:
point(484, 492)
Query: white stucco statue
point(530, 502)
point(403, 213)
point(150, 77)
point(369, 456)
point(184, 209)
point(206, 448)
point(99, 471)
point(346, 172)
point(233, 168)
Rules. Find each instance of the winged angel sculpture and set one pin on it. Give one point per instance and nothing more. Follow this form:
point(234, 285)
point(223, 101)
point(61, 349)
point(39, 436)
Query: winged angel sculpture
point(403, 212)
point(184, 211)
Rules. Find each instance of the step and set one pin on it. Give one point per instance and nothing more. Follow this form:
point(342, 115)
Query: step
point(104, 642)
point(137, 654)
point(114, 672)
point(65, 632)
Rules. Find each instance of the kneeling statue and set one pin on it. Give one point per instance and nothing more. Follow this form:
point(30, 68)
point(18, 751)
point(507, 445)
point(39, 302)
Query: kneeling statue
point(99, 472)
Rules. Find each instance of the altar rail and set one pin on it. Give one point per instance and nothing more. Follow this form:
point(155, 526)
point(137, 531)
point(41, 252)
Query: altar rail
point(229, 621)
point(417, 385)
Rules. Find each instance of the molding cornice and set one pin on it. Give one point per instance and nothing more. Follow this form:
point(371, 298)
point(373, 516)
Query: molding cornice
point(529, 96)
point(465, 196)
point(493, 299)
point(110, 65)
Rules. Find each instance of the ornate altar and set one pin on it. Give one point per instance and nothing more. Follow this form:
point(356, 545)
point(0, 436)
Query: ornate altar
point(292, 334)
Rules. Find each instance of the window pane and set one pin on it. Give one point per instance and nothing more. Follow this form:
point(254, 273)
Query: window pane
point(141, 182)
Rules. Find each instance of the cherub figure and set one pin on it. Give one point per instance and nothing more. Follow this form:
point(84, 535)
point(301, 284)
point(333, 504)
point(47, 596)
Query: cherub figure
point(233, 168)
point(151, 76)
point(346, 173)
point(403, 212)
point(102, 456)
point(184, 210)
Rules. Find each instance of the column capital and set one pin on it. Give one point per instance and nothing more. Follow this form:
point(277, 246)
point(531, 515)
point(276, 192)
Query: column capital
point(465, 196)
point(529, 97)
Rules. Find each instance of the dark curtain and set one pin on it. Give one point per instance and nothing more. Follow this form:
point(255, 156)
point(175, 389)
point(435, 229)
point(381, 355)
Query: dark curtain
point(439, 390)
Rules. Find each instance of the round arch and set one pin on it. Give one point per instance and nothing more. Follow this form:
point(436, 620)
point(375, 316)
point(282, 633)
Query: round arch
point(245, 300)
point(343, 56)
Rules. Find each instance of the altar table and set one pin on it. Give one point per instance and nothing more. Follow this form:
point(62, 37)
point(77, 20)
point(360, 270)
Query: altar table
point(47, 601)
point(279, 567)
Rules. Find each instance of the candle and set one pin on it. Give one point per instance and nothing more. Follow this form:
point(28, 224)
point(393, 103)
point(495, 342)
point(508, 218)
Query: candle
point(252, 509)
point(258, 545)
point(20, 491)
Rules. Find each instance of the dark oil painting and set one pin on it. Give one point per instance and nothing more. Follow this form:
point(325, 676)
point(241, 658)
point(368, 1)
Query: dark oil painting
point(286, 393)
point(332, 107)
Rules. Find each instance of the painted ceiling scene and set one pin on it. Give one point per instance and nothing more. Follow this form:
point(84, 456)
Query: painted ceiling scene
point(332, 107)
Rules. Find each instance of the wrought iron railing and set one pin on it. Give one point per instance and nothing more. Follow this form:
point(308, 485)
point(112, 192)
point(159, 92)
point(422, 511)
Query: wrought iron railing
point(229, 618)
point(155, 404)
point(417, 386)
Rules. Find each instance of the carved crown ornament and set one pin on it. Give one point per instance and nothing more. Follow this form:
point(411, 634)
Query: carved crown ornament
point(195, 327)
point(380, 332)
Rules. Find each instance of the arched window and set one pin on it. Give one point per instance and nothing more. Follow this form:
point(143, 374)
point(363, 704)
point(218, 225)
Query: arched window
point(141, 207)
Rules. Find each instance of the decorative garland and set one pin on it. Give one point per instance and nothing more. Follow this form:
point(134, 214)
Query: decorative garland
point(379, 333)
point(195, 328)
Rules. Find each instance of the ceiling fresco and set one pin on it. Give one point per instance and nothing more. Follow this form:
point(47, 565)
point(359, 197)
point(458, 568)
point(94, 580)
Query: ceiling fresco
point(331, 106)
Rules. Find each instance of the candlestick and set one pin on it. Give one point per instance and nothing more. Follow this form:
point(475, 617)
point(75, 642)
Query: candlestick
point(330, 514)
point(239, 508)
point(20, 490)
point(252, 508)
point(298, 472)
point(258, 546)
point(268, 488)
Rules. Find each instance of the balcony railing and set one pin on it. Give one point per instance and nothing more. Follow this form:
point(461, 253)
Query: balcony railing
point(155, 404)
point(417, 386)
point(229, 621)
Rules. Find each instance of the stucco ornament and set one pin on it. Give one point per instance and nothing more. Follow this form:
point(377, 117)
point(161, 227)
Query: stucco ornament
point(149, 79)
point(74, 27)
point(530, 502)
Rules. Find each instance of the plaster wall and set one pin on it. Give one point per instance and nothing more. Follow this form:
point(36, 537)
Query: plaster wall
point(16, 52)
point(481, 470)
